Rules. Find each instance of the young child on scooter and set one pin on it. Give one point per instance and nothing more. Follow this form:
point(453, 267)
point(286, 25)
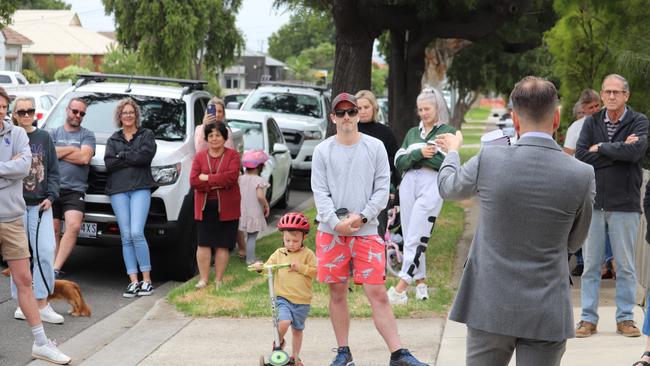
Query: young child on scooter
point(293, 285)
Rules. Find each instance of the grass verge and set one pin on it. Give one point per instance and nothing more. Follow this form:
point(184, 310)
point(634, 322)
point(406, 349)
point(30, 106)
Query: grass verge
point(245, 294)
point(478, 114)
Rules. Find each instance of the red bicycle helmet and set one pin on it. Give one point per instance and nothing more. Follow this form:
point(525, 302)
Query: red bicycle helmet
point(294, 221)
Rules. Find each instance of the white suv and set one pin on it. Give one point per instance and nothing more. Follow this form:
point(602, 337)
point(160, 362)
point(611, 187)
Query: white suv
point(301, 112)
point(172, 114)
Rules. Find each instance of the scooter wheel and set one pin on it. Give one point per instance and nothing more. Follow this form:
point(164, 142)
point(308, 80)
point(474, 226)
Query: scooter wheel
point(262, 362)
point(278, 358)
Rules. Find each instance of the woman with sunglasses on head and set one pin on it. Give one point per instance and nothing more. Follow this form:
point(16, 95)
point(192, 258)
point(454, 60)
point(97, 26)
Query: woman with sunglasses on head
point(40, 189)
point(128, 156)
point(419, 161)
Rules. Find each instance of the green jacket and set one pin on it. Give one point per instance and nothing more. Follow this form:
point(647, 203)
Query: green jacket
point(409, 156)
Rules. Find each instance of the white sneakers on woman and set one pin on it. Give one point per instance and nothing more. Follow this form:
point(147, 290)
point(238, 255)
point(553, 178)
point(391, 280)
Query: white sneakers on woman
point(48, 315)
point(51, 353)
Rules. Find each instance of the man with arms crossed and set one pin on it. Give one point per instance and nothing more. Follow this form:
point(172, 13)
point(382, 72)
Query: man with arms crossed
point(75, 146)
point(350, 178)
point(535, 203)
point(15, 162)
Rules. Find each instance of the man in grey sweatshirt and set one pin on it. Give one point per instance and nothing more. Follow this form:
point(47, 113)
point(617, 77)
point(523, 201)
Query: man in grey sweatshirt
point(15, 161)
point(350, 179)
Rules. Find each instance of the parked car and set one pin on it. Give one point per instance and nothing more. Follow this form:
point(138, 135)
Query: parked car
point(261, 132)
point(43, 102)
point(171, 112)
point(301, 111)
point(12, 78)
point(237, 99)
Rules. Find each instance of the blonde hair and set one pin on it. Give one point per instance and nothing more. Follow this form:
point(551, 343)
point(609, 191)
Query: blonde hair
point(434, 97)
point(20, 99)
point(217, 101)
point(120, 106)
point(367, 94)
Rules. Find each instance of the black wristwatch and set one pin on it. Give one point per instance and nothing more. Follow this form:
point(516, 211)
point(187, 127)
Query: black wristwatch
point(363, 218)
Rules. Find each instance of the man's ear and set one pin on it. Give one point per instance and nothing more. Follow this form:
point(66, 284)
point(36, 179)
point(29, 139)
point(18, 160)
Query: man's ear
point(556, 119)
point(515, 121)
point(332, 118)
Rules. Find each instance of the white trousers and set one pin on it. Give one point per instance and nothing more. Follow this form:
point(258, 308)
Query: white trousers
point(420, 204)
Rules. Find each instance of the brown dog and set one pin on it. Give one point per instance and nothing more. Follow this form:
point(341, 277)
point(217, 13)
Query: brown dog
point(68, 291)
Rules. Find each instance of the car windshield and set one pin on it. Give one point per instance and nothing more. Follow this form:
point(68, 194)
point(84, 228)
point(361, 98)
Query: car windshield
point(164, 116)
point(252, 133)
point(301, 104)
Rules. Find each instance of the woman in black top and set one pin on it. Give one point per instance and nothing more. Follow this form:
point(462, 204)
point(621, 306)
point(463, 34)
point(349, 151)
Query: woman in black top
point(128, 156)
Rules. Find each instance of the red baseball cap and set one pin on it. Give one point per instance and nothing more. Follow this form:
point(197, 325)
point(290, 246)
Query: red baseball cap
point(344, 97)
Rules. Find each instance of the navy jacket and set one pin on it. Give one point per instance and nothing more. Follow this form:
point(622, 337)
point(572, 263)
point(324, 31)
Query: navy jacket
point(128, 163)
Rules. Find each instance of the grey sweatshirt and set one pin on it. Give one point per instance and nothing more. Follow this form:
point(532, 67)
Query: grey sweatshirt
point(355, 177)
point(13, 141)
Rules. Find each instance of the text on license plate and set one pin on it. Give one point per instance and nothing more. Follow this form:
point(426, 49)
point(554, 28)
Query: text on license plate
point(88, 229)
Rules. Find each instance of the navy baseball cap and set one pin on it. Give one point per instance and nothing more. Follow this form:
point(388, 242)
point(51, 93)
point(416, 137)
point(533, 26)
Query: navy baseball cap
point(344, 97)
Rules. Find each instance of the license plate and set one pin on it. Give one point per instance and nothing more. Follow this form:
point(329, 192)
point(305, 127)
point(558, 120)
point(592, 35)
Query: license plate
point(88, 229)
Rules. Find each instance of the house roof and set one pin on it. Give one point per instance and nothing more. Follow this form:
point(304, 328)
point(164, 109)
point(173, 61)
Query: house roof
point(268, 60)
point(58, 32)
point(13, 37)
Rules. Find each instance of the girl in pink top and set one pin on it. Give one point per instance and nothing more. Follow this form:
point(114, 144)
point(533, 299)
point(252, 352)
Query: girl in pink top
point(218, 116)
point(254, 207)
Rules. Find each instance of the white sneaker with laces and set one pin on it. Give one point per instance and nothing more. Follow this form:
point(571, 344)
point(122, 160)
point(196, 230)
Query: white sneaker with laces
point(48, 315)
point(397, 298)
point(18, 314)
point(51, 353)
point(421, 292)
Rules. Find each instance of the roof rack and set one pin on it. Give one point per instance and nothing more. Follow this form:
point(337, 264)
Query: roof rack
point(188, 85)
point(293, 84)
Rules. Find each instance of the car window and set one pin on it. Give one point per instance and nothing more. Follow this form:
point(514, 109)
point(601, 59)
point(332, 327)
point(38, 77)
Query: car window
point(46, 102)
point(166, 117)
point(199, 110)
point(5, 79)
point(275, 135)
point(21, 80)
point(253, 135)
point(300, 104)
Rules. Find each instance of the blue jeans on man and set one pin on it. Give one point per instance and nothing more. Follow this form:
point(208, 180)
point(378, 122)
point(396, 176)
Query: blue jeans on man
point(622, 228)
point(131, 209)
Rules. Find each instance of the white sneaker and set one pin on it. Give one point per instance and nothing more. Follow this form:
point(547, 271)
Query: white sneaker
point(421, 292)
point(18, 314)
point(397, 298)
point(50, 352)
point(48, 315)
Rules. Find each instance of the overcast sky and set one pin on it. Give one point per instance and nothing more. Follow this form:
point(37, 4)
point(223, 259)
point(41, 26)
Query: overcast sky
point(256, 19)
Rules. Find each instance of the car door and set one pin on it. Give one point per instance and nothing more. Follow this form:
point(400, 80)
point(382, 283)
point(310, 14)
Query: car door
point(282, 160)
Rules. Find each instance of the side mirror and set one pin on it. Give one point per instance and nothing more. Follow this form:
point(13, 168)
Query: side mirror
point(279, 148)
point(233, 105)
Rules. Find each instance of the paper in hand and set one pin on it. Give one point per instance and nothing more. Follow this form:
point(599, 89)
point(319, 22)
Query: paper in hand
point(496, 137)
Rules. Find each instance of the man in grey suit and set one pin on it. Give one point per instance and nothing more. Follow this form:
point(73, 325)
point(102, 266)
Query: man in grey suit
point(535, 203)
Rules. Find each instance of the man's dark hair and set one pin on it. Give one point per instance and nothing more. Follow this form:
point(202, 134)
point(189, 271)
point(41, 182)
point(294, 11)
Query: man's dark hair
point(534, 99)
point(219, 126)
point(77, 100)
point(589, 96)
point(3, 94)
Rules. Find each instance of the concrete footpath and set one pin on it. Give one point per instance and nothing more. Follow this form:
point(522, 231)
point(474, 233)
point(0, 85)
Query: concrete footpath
point(150, 332)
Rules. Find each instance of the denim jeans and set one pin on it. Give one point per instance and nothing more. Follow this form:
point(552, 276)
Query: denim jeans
point(622, 228)
point(45, 255)
point(646, 320)
point(131, 209)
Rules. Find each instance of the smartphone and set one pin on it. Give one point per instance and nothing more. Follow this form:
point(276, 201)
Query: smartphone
point(432, 143)
point(212, 109)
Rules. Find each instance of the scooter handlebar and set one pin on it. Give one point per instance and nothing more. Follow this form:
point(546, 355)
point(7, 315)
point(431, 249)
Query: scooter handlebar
point(252, 267)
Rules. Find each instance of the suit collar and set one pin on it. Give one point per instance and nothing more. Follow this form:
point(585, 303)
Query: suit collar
point(538, 141)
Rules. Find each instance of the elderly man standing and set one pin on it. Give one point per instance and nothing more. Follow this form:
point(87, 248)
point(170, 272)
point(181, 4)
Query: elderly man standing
point(614, 142)
point(514, 292)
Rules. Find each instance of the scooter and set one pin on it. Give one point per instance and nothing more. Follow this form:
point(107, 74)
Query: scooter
point(278, 356)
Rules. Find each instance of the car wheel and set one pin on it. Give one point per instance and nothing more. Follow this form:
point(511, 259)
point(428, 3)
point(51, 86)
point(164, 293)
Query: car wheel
point(284, 200)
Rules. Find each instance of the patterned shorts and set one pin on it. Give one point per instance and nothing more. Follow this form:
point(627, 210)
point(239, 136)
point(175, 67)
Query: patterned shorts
point(337, 254)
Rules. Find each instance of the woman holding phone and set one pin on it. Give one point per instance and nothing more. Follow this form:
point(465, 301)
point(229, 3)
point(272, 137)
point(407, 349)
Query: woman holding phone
point(215, 112)
point(419, 161)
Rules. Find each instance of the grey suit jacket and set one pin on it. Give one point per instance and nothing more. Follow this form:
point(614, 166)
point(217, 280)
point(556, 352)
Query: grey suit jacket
point(535, 203)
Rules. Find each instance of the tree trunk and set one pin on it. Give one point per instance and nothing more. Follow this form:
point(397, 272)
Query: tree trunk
point(463, 104)
point(405, 79)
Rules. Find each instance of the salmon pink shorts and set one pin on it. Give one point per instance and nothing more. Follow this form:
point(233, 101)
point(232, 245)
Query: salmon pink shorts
point(336, 254)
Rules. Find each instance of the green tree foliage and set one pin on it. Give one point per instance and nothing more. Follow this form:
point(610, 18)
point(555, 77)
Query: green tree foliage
point(179, 38)
point(307, 28)
point(7, 8)
point(121, 61)
point(31, 67)
point(70, 73)
point(378, 80)
point(304, 66)
point(44, 4)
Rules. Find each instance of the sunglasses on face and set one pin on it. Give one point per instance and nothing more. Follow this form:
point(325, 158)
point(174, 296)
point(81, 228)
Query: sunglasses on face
point(76, 111)
point(25, 112)
point(340, 113)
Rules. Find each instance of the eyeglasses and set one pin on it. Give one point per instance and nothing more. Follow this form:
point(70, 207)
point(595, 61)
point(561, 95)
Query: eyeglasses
point(25, 112)
point(340, 113)
point(76, 111)
point(128, 113)
point(614, 93)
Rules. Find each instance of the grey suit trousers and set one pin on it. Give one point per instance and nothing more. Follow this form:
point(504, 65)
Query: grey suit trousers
point(490, 349)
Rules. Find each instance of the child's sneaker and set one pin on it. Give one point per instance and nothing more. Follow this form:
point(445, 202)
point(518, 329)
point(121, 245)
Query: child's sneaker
point(421, 292)
point(132, 290)
point(397, 298)
point(405, 358)
point(146, 288)
point(51, 353)
point(343, 357)
point(294, 362)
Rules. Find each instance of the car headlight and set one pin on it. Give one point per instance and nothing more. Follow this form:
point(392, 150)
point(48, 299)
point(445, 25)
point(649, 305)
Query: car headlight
point(167, 174)
point(313, 135)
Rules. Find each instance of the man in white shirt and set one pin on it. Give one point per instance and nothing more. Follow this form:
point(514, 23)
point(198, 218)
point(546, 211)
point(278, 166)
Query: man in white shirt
point(588, 104)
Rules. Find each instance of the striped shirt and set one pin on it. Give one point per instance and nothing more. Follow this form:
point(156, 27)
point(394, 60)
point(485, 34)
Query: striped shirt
point(613, 126)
